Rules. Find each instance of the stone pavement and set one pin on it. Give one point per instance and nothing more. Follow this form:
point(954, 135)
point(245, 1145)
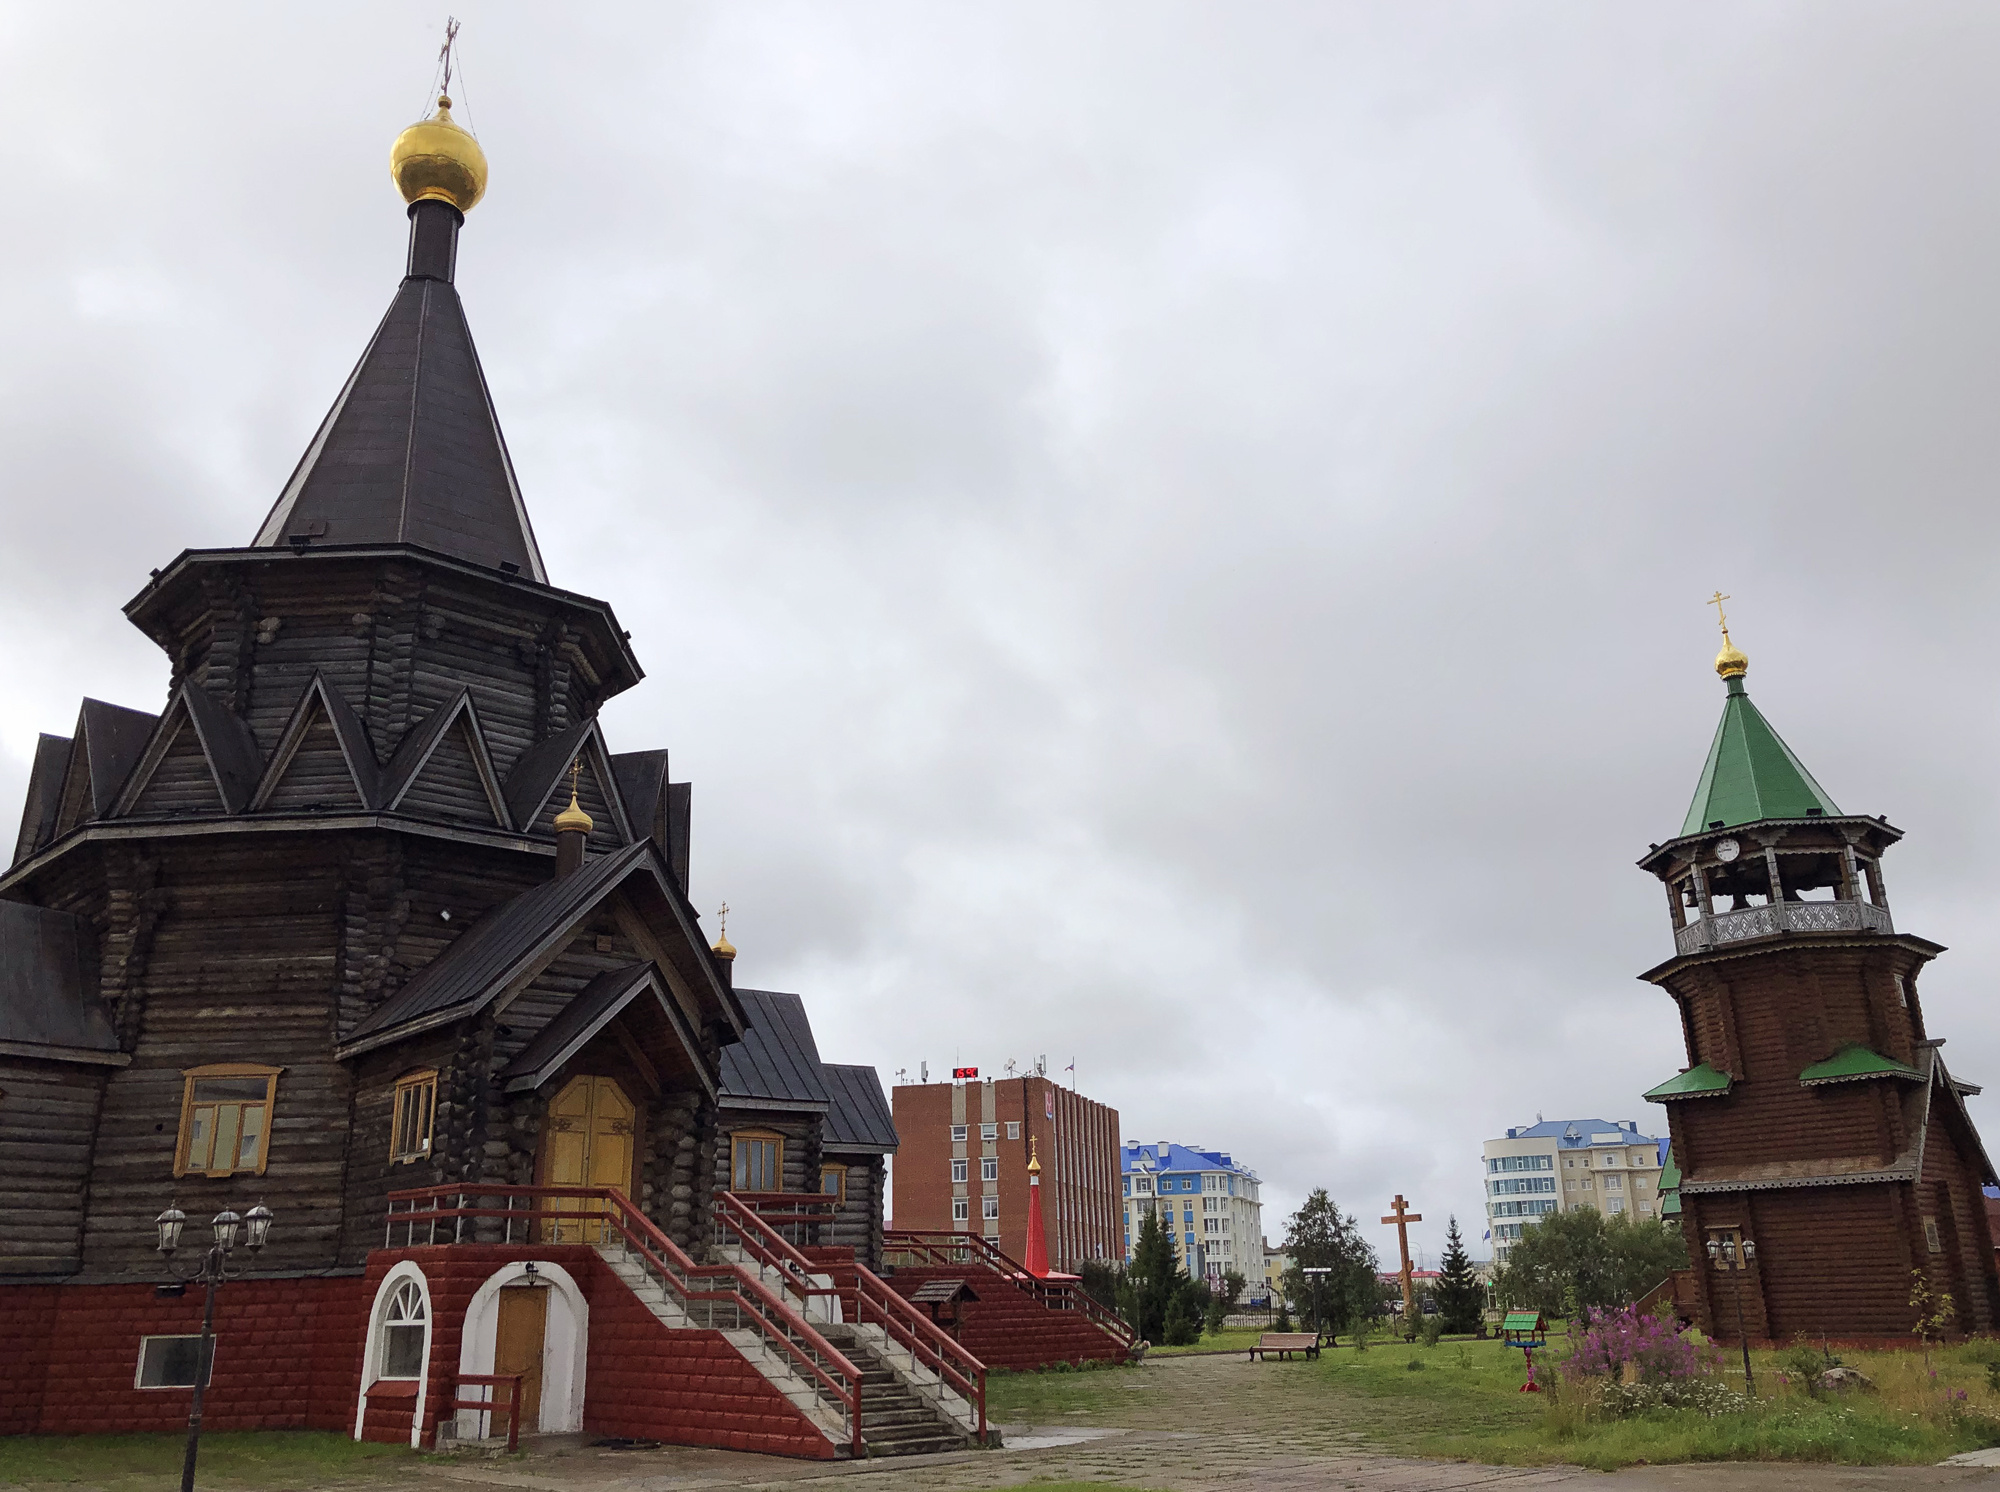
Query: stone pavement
point(1192, 1424)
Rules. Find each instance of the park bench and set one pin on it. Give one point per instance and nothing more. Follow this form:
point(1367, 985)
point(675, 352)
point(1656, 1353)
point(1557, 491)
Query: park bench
point(1285, 1343)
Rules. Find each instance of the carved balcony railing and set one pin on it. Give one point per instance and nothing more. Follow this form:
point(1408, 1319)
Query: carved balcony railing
point(1782, 917)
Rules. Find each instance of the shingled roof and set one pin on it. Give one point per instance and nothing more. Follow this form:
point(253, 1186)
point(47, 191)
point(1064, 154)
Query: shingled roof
point(411, 452)
point(860, 1119)
point(1751, 773)
point(776, 1065)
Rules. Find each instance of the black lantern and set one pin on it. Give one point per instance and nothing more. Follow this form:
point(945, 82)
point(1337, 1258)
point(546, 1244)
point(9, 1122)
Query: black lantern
point(257, 1226)
point(227, 1225)
point(170, 1224)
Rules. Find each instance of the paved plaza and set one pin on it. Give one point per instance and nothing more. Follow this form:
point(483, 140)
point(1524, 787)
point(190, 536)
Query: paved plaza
point(1177, 1424)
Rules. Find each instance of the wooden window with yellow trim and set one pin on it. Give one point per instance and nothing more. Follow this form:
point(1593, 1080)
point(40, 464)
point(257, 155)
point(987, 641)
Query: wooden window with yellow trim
point(756, 1161)
point(833, 1182)
point(226, 1119)
point(414, 1115)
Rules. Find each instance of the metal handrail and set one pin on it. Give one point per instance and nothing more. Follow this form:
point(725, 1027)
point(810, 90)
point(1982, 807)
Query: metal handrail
point(923, 1338)
point(702, 1290)
point(939, 1247)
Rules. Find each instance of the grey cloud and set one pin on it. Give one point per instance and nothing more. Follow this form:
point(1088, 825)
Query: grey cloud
point(1168, 536)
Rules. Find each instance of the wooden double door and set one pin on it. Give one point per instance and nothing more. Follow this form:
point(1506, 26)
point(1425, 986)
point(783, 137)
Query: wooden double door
point(589, 1140)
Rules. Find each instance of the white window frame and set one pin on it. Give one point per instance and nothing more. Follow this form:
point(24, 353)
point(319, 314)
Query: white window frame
point(139, 1367)
point(989, 1209)
point(960, 1209)
point(958, 1134)
point(958, 1168)
point(989, 1132)
point(396, 1317)
point(989, 1168)
point(1013, 1129)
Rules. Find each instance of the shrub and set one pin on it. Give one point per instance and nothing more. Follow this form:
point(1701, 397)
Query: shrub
point(1613, 1341)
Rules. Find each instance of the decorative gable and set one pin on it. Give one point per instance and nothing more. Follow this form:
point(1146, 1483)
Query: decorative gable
point(444, 771)
point(322, 761)
point(201, 759)
point(538, 787)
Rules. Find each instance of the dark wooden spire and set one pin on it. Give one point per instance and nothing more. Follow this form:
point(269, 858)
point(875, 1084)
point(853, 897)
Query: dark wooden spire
point(411, 452)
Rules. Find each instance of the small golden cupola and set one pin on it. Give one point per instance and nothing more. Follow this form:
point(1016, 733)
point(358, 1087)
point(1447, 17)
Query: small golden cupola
point(437, 160)
point(572, 827)
point(1731, 662)
point(724, 949)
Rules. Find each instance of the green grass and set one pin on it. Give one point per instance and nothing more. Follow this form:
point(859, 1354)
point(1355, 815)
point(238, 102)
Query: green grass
point(1217, 1341)
point(252, 1458)
point(1463, 1402)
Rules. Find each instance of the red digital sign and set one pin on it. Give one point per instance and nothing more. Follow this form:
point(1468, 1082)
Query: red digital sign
point(965, 1072)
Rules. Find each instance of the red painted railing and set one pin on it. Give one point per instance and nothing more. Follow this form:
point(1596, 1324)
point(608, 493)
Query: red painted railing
point(918, 1246)
point(490, 1404)
point(720, 1297)
point(873, 1301)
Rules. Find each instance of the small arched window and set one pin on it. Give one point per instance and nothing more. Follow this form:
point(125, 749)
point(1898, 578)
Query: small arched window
point(403, 1328)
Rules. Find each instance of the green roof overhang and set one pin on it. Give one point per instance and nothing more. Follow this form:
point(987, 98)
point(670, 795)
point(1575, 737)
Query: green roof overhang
point(1854, 1063)
point(1751, 774)
point(1697, 1082)
point(1670, 1186)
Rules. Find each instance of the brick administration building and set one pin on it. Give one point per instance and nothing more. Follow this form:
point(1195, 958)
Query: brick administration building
point(963, 1165)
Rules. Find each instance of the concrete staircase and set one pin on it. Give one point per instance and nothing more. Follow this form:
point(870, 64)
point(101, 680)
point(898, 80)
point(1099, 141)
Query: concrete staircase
point(901, 1414)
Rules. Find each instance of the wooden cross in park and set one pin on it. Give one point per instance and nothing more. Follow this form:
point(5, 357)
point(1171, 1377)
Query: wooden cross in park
point(1402, 1218)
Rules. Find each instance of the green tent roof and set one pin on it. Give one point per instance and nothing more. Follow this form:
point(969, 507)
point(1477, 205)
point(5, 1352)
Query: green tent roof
point(1852, 1062)
point(1696, 1082)
point(1670, 1186)
point(1751, 774)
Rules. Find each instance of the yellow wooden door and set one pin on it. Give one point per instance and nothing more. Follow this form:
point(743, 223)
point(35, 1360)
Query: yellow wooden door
point(518, 1342)
point(590, 1143)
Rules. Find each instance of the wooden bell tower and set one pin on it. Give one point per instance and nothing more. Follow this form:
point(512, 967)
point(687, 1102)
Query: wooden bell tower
point(1815, 1118)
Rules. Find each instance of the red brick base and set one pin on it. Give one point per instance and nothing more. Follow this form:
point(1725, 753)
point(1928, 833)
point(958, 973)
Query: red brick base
point(288, 1357)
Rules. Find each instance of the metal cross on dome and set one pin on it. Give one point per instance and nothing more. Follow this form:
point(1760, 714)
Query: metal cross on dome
point(1721, 619)
point(444, 52)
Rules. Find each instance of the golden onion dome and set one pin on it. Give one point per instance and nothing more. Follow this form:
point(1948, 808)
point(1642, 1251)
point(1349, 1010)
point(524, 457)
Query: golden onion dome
point(1731, 662)
point(724, 948)
point(435, 160)
point(573, 820)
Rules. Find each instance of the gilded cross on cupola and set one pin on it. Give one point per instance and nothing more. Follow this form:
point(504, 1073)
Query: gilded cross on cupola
point(1730, 662)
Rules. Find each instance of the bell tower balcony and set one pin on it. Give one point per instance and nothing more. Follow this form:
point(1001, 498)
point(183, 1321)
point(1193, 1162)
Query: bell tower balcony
point(1703, 933)
point(1812, 876)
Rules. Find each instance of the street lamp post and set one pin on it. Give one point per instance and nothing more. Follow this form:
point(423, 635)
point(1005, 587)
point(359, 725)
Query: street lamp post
point(1726, 1256)
point(249, 1231)
point(1316, 1271)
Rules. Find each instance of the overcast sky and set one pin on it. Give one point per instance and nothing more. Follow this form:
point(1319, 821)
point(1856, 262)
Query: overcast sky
point(1167, 536)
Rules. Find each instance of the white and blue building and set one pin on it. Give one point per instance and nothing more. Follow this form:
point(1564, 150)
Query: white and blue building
point(1207, 1201)
point(1555, 1165)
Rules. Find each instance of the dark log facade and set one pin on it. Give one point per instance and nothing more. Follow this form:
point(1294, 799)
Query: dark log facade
point(333, 853)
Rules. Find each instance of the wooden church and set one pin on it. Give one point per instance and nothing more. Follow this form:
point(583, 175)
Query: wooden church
point(371, 925)
point(1828, 1158)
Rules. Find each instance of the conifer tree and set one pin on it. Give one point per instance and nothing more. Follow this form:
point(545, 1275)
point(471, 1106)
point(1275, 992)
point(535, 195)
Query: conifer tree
point(1319, 1234)
point(1155, 1277)
point(1460, 1297)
